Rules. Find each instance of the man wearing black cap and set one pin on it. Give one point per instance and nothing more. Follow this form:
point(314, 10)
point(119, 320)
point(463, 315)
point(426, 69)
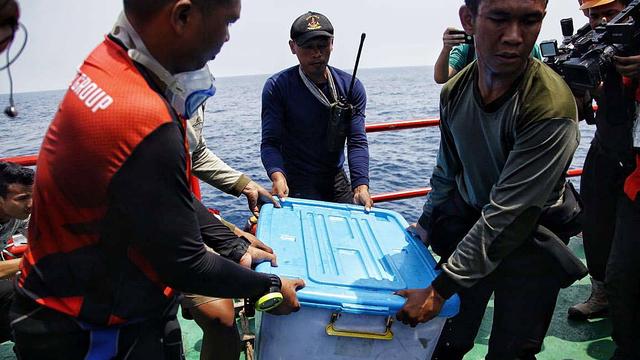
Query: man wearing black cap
point(302, 146)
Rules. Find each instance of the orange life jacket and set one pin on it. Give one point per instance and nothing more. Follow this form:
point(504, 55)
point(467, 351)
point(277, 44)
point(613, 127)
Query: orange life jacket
point(106, 113)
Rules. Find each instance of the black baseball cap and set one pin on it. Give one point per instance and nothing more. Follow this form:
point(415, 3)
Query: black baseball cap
point(310, 25)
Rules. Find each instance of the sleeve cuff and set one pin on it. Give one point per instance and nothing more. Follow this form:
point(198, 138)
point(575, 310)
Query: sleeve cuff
point(275, 170)
point(239, 186)
point(445, 286)
point(238, 251)
point(358, 182)
point(425, 222)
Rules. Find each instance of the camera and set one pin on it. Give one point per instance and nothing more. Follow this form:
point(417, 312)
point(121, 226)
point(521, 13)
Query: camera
point(584, 58)
point(468, 39)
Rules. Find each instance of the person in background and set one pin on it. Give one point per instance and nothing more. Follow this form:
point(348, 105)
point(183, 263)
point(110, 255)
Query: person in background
point(584, 11)
point(9, 16)
point(609, 188)
point(216, 316)
point(608, 162)
point(16, 187)
point(498, 188)
point(298, 123)
point(116, 233)
point(456, 54)
point(622, 280)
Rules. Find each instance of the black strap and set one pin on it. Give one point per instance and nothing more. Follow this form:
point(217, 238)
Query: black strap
point(471, 54)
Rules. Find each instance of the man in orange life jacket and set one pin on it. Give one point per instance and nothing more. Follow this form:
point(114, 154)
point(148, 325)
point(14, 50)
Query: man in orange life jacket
point(115, 227)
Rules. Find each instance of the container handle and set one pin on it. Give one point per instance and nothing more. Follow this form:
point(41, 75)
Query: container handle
point(386, 335)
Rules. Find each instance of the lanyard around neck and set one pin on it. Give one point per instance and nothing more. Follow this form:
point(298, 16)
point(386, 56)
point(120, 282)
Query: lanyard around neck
point(317, 92)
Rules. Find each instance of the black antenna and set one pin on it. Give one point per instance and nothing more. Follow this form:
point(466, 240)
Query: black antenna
point(355, 69)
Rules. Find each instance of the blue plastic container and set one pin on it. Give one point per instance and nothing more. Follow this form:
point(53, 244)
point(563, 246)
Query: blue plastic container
point(352, 262)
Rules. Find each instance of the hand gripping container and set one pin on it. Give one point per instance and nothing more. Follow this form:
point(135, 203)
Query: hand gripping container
point(351, 262)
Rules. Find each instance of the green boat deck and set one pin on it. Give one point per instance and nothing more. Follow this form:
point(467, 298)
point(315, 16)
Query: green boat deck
point(565, 339)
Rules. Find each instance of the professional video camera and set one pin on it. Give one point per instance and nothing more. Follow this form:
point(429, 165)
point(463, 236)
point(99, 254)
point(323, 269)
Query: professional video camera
point(583, 59)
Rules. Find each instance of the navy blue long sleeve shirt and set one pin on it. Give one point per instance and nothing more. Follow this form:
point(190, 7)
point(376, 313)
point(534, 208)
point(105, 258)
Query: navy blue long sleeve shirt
point(294, 129)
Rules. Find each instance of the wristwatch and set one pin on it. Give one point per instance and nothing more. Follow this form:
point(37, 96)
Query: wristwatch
point(273, 297)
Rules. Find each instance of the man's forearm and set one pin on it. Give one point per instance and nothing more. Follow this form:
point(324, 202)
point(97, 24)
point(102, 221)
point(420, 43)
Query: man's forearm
point(214, 171)
point(441, 68)
point(9, 268)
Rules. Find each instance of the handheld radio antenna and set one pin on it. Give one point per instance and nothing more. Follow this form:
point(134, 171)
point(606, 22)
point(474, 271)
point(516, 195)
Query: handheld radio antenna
point(355, 69)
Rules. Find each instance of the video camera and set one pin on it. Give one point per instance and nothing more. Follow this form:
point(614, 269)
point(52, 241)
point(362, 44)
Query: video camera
point(584, 58)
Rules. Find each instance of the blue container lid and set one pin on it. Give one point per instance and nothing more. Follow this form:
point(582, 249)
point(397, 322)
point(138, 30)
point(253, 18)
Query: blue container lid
point(350, 260)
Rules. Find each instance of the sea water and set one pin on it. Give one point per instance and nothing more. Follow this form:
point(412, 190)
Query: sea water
point(398, 160)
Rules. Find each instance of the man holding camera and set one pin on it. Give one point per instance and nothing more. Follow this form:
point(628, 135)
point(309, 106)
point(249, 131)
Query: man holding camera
point(623, 268)
point(508, 133)
point(608, 161)
point(610, 195)
point(300, 121)
point(458, 51)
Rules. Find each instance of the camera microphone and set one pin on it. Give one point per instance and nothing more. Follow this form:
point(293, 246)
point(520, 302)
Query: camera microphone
point(567, 27)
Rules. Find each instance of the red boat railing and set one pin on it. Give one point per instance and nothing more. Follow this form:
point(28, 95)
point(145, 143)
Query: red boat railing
point(30, 160)
point(414, 124)
point(400, 125)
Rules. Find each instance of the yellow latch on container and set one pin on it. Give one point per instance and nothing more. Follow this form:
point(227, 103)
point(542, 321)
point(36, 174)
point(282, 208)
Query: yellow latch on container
point(386, 335)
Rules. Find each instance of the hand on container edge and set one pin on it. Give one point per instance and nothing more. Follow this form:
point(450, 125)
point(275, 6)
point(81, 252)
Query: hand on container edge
point(255, 256)
point(253, 240)
point(279, 187)
point(421, 306)
point(361, 196)
point(290, 302)
point(420, 232)
point(255, 193)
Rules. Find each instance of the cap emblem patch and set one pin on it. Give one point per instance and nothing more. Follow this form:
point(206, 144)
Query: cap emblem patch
point(313, 23)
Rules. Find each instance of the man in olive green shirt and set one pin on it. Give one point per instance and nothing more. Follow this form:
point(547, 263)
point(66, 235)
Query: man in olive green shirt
point(508, 132)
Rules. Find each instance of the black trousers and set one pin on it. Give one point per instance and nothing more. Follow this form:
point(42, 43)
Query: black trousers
point(331, 188)
point(6, 297)
point(43, 334)
point(525, 289)
point(600, 187)
point(622, 281)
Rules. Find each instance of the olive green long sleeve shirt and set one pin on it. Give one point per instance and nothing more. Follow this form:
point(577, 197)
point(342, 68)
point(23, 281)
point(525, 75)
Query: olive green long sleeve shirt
point(507, 159)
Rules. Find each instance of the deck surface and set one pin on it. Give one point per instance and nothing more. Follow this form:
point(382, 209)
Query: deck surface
point(565, 339)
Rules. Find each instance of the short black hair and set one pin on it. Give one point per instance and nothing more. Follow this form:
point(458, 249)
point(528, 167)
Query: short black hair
point(145, 8)
point(11, 173)
point(474, 4)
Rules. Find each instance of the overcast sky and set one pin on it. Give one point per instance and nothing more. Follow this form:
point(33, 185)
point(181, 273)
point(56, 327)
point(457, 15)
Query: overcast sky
point(399, 33)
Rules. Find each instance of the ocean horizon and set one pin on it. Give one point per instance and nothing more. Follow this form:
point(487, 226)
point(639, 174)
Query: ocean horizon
point(399, 160)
